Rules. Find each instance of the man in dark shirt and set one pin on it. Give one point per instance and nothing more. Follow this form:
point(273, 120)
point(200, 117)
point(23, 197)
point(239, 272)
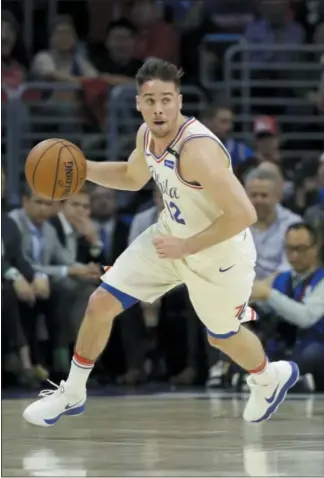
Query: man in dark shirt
point(115, 58)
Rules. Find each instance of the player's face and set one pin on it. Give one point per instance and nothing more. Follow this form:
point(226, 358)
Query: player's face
point(38, 209)
point(160, 104)
point(301, 251)
point(264, 196)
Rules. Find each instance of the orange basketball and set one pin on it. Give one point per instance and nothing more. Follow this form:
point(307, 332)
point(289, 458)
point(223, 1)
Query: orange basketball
point(55, 169)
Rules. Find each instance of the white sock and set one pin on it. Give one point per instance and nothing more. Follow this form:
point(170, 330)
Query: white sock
point(265, 374)
point(79, 373)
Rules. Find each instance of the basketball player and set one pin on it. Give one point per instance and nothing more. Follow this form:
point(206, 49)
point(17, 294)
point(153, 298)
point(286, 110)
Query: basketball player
point(201, 239)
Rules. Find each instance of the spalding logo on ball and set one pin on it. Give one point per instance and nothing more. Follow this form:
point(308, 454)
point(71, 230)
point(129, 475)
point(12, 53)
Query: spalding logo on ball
point(56, 169)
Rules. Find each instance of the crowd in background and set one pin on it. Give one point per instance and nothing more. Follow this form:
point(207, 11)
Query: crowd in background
point(54, 253)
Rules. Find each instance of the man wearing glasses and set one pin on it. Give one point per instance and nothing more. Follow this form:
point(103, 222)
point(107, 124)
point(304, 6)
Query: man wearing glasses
point(297, 297)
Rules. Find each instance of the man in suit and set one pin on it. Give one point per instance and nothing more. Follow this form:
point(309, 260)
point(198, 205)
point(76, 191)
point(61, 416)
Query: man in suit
point(77, 232)
point(78, 235)
point(55, 268)
point(18, 287)
point(112, 226)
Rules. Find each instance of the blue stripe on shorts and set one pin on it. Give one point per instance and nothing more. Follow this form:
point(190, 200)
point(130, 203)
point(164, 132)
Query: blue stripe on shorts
point(126, 300)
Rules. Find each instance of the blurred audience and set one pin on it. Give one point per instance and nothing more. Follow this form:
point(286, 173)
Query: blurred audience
point(266, 139)
point(19, 294)
point(111, 225)
point(115, 58)
point(297, 297)
point(266, 143)
point(59, 274)
point(146, 218)
point(305, 192)
point(154, 38)
point(76, 231)
point(13, 71)
point(65, 63)
point(263, 188)
point(314, 215)
point(274, 26)
point(62, 62)
point(220, 120)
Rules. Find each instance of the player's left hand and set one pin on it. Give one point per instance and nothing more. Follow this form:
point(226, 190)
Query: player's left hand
point(170, 247)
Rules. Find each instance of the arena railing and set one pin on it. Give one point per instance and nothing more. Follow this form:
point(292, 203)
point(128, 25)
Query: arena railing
point(33, 114)
point(217, 43)
point(280, 88)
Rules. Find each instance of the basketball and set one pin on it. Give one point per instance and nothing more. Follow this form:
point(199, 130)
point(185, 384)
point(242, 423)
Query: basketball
point(55, 169)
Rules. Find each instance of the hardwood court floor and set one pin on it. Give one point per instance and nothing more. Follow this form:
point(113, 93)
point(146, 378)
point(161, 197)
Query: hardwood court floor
point(167, 435)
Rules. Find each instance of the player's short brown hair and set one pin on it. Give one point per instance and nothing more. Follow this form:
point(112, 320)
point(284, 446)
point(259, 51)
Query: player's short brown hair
point(156, 69)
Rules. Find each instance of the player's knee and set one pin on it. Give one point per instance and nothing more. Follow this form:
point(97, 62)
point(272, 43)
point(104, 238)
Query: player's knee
point(103, 306)
point(213, 341)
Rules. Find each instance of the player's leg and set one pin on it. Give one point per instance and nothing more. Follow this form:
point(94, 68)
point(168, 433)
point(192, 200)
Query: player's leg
point(138, 274)
point(221, 303)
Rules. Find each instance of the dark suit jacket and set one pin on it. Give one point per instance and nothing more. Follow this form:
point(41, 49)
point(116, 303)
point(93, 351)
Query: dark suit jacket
point(83, 254)
point(12, 249)
point(54, 255)
point(119, 236)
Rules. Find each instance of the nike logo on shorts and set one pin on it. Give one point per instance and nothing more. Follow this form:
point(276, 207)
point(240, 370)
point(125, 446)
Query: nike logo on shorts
point(225, 270)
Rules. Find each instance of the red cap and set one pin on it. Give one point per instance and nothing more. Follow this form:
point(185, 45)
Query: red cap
point(265, 124)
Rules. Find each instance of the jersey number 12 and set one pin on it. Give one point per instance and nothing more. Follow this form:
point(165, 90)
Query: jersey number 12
point(174, 212)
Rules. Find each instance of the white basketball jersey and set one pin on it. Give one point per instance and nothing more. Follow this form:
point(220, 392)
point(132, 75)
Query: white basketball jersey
point(188, 208)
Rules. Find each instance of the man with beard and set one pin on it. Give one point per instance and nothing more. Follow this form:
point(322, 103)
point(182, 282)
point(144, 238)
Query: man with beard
point(265, 192)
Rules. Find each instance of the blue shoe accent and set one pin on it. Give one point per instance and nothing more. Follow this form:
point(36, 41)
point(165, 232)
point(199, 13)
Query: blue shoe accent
point(283, 392)
point(70, 412)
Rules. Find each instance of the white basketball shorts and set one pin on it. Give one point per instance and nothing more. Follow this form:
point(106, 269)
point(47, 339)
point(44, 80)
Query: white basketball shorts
point(219, 280)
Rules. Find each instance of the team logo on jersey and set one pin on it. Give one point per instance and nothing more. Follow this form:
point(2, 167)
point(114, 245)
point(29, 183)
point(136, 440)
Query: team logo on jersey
point(164, 185)
point(169, 164)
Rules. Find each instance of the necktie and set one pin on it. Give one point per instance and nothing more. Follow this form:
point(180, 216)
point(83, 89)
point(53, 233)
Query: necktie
point(105, 239)
point(38, 245)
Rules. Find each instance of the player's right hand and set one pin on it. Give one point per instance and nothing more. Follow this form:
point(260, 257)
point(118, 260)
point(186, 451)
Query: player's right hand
point(24, 290)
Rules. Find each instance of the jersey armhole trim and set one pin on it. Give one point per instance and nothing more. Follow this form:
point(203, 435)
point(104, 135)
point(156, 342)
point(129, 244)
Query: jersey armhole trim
point(194, 185)
point(194, 136)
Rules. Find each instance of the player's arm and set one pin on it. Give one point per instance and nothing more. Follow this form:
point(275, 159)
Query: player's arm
point(127, 176)
point(218, 181)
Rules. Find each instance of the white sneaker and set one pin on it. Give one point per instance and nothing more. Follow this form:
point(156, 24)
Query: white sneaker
point(53, 404)
point(265, 399)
